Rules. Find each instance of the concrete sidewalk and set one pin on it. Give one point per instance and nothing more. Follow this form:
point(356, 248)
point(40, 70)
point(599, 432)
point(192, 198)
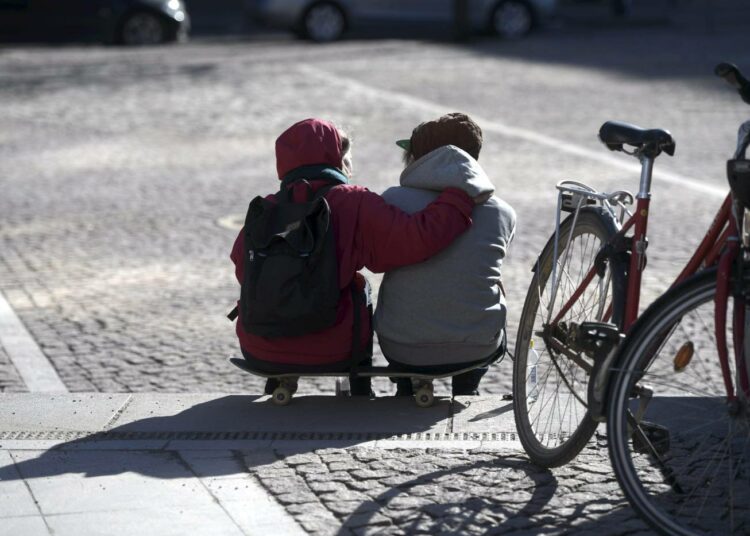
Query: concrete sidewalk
point(84, 464)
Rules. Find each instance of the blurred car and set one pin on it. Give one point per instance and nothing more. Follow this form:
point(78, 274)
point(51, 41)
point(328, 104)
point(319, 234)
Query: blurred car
point(129, 22)
point(327, 20)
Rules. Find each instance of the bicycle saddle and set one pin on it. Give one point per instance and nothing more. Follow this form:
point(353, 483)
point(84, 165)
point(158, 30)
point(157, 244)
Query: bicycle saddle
point(615, 134)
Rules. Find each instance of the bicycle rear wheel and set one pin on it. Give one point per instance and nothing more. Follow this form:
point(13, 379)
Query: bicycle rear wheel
point(552, 419)
point(680, 452)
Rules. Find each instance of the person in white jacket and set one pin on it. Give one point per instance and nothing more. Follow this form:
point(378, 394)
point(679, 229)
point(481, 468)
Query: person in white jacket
point(448, 312)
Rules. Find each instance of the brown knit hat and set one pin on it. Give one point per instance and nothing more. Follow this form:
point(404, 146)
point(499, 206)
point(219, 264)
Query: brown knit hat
point(451, 129)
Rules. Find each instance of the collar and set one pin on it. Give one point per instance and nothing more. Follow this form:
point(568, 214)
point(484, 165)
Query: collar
point(315, 172)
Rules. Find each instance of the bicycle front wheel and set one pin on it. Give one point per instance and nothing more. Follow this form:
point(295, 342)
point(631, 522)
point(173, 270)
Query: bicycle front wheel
point(550, 375)
point(679, 450)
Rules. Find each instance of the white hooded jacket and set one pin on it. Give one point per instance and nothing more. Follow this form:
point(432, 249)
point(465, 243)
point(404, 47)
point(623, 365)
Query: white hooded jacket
point(449, 309)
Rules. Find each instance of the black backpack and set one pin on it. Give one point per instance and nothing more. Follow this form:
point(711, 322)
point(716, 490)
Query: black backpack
point(291, 283)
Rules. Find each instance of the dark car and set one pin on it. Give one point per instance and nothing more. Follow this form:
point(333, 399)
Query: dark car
point(327, 20)
point(129, 22)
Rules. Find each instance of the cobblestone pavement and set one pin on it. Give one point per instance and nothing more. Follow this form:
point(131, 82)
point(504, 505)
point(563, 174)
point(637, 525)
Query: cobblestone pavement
point(120, 169)
point(116, 166)
point(9, 378)
point(364, 491)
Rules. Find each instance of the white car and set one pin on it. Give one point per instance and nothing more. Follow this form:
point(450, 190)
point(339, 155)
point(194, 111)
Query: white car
point(327, 20)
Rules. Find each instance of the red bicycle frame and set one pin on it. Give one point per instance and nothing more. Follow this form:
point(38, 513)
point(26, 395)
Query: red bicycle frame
point(719, 246)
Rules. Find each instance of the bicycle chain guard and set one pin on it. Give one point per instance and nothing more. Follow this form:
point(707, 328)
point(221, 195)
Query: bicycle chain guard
point(600, 340)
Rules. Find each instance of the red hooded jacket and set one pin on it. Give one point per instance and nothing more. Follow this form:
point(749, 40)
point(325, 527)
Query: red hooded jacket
point(368, 232)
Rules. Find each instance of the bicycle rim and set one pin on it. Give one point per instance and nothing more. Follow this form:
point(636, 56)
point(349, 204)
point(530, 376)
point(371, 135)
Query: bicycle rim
point(685, 466)
point(555, 425)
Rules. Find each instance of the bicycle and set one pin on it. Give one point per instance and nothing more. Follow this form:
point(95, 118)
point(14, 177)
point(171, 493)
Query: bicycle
point(584, 297)
point(678, 404)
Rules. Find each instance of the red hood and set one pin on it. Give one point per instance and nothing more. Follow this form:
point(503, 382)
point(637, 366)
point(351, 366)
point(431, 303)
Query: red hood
point(309, 142)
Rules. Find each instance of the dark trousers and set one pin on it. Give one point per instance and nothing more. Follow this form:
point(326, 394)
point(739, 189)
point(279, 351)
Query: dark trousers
point(466, 383)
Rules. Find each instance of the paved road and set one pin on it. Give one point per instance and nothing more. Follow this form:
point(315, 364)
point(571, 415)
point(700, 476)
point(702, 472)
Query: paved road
point(120, 169)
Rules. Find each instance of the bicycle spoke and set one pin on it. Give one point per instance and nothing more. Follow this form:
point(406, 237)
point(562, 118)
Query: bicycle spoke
point(555, 423)
point(689, 453)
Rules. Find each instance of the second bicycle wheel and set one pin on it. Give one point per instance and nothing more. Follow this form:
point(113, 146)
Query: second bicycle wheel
point(550, 375)
point(680, 451)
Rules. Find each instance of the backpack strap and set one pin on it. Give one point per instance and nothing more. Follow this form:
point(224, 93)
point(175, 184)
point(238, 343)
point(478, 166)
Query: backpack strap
point(286, 193)
point(323, 190)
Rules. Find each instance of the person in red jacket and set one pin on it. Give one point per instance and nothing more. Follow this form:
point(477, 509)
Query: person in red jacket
point(368, 233)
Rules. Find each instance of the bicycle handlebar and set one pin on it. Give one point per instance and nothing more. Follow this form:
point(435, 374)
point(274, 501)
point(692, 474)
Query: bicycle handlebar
point(733, 76)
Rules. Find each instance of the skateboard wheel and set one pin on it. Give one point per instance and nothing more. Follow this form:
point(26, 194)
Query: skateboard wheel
point(290, 385)
point(281, 396)
point(424, 397)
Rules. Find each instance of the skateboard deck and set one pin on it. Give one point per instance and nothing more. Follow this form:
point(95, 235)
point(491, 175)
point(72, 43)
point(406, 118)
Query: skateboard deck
point(365, 372)
point(282, 394)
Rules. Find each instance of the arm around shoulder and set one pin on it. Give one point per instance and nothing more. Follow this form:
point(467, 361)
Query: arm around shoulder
point(390, 238)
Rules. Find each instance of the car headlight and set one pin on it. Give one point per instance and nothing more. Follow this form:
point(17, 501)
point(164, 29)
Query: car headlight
point(174, 5)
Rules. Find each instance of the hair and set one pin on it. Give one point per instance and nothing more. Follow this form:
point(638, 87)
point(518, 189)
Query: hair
point(408, 157)
point(346, 153)
point(451, 129)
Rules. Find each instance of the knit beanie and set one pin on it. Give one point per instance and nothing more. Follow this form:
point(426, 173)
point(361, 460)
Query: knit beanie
point(451, 129)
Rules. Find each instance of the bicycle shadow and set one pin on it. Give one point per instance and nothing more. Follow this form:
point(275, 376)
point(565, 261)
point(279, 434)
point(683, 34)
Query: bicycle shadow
point(461, 512)
point(475, 498)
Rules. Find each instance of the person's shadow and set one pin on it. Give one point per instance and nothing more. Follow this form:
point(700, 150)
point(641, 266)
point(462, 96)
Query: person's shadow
point(234, 423)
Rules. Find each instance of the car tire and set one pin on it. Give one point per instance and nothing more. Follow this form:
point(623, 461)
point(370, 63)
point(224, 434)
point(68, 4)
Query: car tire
point(142, 28)
point(512, 19)
point(323, 22)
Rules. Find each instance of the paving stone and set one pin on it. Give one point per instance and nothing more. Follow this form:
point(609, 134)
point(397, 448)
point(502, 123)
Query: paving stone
point(403, 502)
point(367, 474)
point(372, 520)
point(345, 508)
point(324, 486)
point(319, 527)
point(348, 465)
point(310, 468)
point(343, 495)
point(276, 472)
point(308, 509)
point(301, 459)
point(367, 486)
point(296, 497)
point(284, 485)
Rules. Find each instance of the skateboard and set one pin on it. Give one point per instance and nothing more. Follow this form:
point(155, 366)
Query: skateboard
point(423, 387)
